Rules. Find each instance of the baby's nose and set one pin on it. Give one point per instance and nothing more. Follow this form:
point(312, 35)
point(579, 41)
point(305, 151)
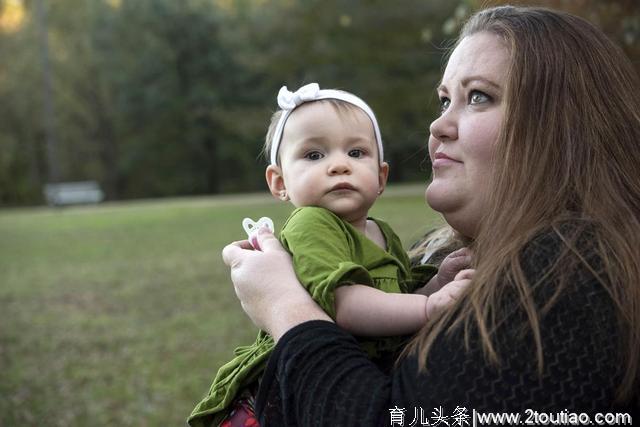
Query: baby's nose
point(339, 166)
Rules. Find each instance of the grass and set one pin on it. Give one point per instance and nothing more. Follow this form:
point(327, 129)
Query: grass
point(120, 314)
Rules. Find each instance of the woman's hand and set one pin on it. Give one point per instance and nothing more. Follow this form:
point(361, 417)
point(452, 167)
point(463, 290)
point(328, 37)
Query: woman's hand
point(267, 287)
point(454, 263)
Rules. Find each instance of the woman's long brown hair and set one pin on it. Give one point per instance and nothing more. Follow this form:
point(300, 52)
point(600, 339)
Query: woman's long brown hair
point(568, 151)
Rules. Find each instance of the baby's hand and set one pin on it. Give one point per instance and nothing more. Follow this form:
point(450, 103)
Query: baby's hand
point(455, 262)
point(448, 293)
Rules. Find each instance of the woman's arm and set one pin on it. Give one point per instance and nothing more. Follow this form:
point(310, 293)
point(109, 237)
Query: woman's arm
point(278, 304)
point(318, 374)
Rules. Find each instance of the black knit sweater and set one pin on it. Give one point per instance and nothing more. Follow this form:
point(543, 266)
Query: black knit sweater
point(319, 376)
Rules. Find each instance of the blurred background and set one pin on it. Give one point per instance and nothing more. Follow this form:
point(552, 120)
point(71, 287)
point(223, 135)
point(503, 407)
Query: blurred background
point(120, 313)
point(154, 98)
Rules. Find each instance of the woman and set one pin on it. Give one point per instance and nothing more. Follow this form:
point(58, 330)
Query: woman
point(535, 159)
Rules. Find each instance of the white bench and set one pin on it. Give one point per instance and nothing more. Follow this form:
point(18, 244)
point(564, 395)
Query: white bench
point(73, 193)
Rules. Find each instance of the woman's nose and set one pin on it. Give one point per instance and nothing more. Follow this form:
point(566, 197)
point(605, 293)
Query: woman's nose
point(445, 127)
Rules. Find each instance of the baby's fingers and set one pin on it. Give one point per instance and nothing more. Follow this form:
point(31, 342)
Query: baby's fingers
point(466, 274)
point(446, 296)
point(455, 288)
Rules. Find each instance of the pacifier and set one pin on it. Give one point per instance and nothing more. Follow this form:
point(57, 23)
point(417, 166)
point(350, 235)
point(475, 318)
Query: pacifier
point(251, 227)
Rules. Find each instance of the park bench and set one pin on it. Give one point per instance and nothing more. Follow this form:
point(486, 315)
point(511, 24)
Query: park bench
point(73, 193)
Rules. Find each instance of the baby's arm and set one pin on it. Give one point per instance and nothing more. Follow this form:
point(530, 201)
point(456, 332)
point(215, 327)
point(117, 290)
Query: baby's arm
point(367, 311)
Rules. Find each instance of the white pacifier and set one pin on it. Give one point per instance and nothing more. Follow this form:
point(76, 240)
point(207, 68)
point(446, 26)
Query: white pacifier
point(251, 227)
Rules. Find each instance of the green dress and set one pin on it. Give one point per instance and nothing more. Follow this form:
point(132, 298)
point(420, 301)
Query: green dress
point(327, 252)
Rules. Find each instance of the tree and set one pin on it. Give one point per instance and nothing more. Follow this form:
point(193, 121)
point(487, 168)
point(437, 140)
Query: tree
point(619, 19)
point(389, 53)
point(141, 95)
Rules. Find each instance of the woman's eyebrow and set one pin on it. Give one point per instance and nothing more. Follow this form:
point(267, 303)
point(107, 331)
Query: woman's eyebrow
point(467, 80)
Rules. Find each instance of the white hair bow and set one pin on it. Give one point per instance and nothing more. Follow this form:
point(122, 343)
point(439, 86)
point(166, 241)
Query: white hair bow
point(289, 100)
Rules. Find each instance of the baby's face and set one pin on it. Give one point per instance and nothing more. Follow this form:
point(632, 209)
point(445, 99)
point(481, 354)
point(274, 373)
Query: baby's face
point(330, 159)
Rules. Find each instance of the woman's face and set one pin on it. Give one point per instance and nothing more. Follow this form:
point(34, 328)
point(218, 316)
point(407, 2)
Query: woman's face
point(463, 137)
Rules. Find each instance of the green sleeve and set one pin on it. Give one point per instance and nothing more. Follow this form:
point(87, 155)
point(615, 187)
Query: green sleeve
point(324, 254)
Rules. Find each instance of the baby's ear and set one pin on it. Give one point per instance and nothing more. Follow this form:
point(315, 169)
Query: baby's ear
point(383, 174)
point(275, 181)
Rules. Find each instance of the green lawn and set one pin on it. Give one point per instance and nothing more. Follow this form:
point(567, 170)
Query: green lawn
point(120, 314)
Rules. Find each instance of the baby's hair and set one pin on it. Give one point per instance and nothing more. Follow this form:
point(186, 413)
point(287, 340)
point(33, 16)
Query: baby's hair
point(343, 108)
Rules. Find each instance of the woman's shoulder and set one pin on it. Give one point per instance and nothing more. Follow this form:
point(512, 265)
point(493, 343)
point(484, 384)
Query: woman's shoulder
point(567, 280)
point(563, 249)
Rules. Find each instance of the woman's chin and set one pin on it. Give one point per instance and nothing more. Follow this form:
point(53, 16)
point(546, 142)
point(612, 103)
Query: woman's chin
point(438, 198)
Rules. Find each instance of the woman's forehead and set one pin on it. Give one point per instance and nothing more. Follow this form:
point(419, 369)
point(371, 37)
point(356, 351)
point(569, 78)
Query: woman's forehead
point(481, 56)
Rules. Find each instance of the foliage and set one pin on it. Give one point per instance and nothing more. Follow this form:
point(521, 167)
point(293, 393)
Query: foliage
point(389, 53)
point(619, 19)
point(158, 98)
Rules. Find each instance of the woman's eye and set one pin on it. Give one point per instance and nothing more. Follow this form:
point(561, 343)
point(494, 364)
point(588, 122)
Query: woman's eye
point(477, 97)
point(444, 103)
point(356, 152)
point(313, 155)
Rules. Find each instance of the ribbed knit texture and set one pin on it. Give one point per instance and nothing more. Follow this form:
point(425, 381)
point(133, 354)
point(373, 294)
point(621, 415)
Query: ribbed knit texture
point(319, 376)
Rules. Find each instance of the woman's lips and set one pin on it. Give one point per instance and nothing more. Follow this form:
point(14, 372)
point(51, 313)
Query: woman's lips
point(441, 159)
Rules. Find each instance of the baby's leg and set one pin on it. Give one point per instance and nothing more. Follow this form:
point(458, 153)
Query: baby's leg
point(243, 411)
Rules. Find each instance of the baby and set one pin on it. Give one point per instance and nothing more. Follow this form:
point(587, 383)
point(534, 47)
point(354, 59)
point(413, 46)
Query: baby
point(326, 158)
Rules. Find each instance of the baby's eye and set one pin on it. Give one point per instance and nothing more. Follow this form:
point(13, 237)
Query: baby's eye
point(444, 103)
point(477, 97)
point(356, 153)
point(313, 155)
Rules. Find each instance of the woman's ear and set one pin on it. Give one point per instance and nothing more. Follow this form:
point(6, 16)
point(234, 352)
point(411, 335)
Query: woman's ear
point(383, 174)
point(275, 181)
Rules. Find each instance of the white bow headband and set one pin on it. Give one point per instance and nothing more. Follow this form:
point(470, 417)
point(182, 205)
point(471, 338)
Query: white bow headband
point(289, 101)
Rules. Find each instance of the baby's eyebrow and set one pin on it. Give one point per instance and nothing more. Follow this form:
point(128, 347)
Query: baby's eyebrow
point(308, 143)
point(313, 140)
point(359, 139)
